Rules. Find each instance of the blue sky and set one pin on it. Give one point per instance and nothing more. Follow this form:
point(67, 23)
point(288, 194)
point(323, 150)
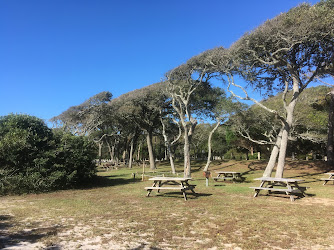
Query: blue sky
point(57, 53)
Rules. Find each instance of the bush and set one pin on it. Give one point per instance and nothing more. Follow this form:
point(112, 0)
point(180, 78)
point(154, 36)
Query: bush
point(233, 154)
point(33, 158)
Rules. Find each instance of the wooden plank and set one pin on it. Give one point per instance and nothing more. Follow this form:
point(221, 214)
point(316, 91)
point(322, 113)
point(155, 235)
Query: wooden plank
point(169, 179)
point(224, 178)
point(278, 189)
point(272, 189)
point(224, 172)
point(172, 188)
point(278, 179)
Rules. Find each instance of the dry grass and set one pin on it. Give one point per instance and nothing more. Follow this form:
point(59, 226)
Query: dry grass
point(115, 214)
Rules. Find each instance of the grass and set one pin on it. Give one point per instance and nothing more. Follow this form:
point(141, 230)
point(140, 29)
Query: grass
point(114, 213)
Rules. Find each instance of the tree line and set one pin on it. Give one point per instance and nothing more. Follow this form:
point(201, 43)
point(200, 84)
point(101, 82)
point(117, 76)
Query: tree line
point(286, 53)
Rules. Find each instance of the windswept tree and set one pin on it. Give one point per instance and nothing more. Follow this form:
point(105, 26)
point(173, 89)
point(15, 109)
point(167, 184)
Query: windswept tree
point(309, 126)
point(222, 111)
point(83, 119)
point(89, 118)
point(142, 108)
point(286, 53)
point(192, 97)
point(171, 132)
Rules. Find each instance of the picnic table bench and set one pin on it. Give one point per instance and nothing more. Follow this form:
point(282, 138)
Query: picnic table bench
point(281, 185)
point(171, 183)
point(330, 178)
point(226, 175)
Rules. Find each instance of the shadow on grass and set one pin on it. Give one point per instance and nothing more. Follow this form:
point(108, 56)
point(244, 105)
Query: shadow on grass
point(284, 196)
point(109, 181)
point(310, 177)
point(190, 196)
point(16, 238)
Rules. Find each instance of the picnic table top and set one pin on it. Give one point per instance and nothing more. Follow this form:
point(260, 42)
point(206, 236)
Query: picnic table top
point(169, 179)
point(226, 172)
point(278, 179)
point(330, 173)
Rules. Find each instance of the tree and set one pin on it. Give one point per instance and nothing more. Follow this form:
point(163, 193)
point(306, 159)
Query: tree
point(83, 119)
point(288, 53)
point(309, 126)
point(169, 128)
point(91, 118)
point(222, 111)
point(192, 97)
point(142, 108)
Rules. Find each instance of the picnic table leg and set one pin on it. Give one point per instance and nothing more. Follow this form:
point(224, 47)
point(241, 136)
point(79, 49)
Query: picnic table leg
point(330, 177)
point(234, 176)
point(150, 190)
point(188, 186)
point(291, 197)
point(184, 194)
point(159, 185)
point(290, 188)
point(302, 190)
point(257, 191)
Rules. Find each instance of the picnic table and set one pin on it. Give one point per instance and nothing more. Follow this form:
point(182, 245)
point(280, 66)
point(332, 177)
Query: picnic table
point(330, 178)
point(281, 185)
point(226, 175)
point(171, 183)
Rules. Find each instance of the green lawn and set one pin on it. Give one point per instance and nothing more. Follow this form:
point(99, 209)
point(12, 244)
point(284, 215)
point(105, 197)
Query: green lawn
point(115, 213)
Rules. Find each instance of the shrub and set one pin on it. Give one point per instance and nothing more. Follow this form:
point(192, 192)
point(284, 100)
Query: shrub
point(33, 158)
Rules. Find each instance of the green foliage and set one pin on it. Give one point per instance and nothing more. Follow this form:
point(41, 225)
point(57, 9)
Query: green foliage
point(219, 144)
point(230, 136)
point(234, 154)
point(75, 155)
point(33, 158)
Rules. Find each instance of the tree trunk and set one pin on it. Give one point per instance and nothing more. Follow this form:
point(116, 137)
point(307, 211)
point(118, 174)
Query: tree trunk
point(113, 153)
point(282, 152)
point(131, 153)
point(186, 150)
point(209, 147)
point(138, 152)
point(330, 140)
point(273, 156)
point(125, 152)
point(171, 159)
point(100, 151)
point(168, 150)
point(150, 149)
point(110, 150)
point(285, 137)
point(169, 153)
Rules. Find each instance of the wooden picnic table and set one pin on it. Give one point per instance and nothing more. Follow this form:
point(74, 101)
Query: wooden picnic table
point(330, 178)
point(171, 183)
point(227, 175)
point(281, 185)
